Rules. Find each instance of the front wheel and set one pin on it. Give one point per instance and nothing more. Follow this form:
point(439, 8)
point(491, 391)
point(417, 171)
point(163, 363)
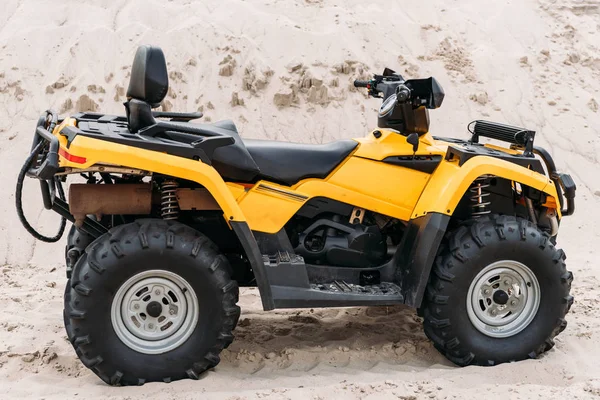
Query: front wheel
point(151, 301)
point(499, 292)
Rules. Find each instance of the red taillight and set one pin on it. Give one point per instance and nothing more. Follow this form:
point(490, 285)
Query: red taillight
point(70, 157)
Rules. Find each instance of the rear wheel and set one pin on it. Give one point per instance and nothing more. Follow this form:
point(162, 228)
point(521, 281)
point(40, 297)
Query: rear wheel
point(151, 301)
point(499, 292)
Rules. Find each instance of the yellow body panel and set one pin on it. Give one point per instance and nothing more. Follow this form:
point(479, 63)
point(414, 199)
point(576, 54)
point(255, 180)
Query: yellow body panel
point(236, 190)
point(267, 207)
point(385, 184)
point(103, 152)
point(450, 181)
point(372, 185)
point(392, 144)
point(361, 180)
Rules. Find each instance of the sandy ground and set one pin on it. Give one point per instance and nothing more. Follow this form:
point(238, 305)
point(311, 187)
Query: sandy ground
point(282, 69)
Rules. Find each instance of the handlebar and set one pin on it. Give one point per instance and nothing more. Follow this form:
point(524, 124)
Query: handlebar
point(363, 84)
point(381, 86)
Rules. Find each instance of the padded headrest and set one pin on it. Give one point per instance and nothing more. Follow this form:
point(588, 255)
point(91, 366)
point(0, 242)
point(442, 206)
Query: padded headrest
point(149, 80)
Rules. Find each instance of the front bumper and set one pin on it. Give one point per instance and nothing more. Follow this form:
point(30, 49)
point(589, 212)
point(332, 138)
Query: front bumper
point(565, 185)
point(45, 165)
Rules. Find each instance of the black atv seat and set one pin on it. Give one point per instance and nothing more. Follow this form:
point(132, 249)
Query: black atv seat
point(288, 163)
point(280, 162)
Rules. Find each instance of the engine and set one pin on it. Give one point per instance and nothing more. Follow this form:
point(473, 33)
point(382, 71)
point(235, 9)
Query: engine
point(333, 241)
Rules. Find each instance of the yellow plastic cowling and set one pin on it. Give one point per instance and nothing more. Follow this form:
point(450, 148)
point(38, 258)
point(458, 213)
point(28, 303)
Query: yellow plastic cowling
point(450, 181)
point(375, 186)
point(84, 152)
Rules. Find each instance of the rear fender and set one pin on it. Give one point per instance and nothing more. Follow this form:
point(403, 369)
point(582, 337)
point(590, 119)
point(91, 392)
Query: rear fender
point(84, 152)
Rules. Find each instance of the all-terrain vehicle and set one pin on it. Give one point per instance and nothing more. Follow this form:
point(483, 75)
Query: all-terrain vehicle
point(171, 217)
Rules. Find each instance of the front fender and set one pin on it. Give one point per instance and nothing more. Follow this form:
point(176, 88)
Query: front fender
point(450, 181)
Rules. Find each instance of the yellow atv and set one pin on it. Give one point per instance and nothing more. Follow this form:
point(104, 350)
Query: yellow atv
point(174, 216)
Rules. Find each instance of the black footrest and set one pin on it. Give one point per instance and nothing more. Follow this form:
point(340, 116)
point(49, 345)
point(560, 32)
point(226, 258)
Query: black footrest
point(282, 257)
point(337, 294)
point(384, 288)
point(286, 269)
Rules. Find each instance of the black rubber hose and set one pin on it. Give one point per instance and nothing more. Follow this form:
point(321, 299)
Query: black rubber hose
point(19, 202)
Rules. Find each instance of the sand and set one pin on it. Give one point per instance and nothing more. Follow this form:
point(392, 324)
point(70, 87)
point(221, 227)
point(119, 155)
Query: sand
point(283, 70)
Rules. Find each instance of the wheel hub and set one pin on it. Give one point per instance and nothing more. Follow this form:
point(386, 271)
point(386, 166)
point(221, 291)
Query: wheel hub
point(154, 311)
point(503, 298)
point(499, 297)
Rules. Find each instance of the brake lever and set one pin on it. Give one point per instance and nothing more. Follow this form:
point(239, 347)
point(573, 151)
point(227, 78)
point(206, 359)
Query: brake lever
point(373, 90)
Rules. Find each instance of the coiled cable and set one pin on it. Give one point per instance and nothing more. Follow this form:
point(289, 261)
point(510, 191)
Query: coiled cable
point(19, 198)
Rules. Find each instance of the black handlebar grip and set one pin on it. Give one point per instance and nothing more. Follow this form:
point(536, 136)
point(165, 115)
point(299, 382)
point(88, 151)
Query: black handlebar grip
point(364, 84)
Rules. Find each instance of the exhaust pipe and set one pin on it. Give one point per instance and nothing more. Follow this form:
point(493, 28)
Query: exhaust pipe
point(99, 200)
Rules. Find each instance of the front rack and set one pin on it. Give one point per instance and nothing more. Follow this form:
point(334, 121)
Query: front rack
point(520, 137)
point(523, 139)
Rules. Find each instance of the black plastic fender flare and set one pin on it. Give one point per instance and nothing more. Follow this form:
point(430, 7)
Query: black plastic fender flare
point(250, 246)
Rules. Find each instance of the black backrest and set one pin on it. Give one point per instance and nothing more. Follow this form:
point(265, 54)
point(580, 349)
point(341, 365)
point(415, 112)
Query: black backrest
point(149, 80)
point(148, 86)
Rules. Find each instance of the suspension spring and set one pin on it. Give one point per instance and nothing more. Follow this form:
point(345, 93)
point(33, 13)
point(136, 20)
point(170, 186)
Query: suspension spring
point(479, 197)
point(168, 202)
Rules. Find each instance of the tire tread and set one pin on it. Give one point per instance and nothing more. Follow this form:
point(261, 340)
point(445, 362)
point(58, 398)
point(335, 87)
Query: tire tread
point(116, 241)
point(436, 324)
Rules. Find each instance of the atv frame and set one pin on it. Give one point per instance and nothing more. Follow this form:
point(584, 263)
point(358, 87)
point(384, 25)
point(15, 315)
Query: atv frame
point(427, 221)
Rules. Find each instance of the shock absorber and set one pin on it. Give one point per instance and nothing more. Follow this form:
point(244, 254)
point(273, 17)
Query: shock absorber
point(479, 196)
point(168, 202)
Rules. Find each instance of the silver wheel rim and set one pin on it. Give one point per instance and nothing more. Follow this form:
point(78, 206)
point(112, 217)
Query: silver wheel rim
point(503, 299)
point(150, 329)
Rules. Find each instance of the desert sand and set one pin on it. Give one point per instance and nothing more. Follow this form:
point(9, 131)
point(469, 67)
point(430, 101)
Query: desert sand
point(282, 69)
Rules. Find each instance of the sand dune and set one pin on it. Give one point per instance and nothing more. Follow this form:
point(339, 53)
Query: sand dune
point(283, 69)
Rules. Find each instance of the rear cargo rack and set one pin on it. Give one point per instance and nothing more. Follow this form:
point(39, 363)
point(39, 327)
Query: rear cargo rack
point(191, 141)
point(519, 137)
